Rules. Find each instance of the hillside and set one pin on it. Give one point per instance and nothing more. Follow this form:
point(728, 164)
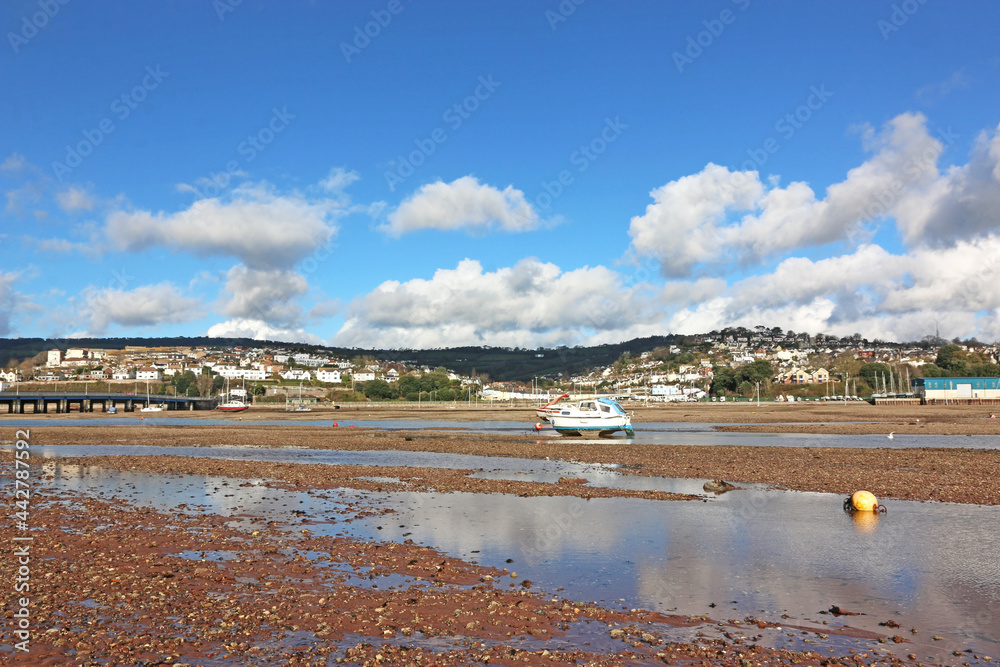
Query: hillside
point(498, 363)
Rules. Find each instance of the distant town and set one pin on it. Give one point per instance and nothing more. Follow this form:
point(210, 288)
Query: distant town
point(731, 364)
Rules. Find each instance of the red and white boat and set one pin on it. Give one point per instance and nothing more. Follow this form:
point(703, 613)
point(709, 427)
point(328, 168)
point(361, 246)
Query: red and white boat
point(546, 411)
point(235, 402)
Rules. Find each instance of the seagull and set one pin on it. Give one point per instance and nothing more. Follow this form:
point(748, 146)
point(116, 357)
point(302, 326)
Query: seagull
point(890, 434)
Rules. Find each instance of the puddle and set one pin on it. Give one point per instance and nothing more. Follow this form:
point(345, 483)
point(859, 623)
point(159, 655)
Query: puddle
point(760, 553)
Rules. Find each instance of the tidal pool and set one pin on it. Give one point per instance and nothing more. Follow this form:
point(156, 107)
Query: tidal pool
point(778, 556)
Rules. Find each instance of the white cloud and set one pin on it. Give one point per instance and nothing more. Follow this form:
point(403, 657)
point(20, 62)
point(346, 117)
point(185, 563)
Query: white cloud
point(530, 303)
point(144, 306)
point(265, 230)
point(10, 300)
point(464, 203)
point(14, 162)
point(75, 199)
point(268, 295)
point(869, 291)
point(961, 203)
point(718, 216)
point(259, 330)
point(338, 179)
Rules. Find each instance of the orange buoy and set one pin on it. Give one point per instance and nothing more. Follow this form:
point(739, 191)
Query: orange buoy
point(538, 427)
point(334, 423)
point(864, 501)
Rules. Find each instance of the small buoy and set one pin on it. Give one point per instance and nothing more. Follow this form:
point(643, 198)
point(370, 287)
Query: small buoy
point(352, 426)
point(334, 423)
point(538, 427)
point(993, 416)
point(862, 501)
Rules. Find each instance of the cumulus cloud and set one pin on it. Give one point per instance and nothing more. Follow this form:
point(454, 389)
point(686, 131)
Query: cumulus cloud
point(963, 202)
point(465, 203)
point(718, 216)
point(260, 330)
point(262, 228)
point(264, 295)
point(75, 199)
point(144, 306)
point(871, 291)
point(530, 303)
point(10, 299)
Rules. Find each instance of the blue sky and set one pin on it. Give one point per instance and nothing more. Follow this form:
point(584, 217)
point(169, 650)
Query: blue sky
point(412, 174)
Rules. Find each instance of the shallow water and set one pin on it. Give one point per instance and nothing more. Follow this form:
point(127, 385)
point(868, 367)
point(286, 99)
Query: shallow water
point(930, 566)
point(647, 433)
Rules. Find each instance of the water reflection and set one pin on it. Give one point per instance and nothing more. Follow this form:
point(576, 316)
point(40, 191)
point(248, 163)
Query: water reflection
point(929, 566)
point(864, 522)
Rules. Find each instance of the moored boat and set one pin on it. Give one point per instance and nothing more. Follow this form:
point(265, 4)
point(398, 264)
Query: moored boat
point(601, 416)
point(236, 401)
point(546, 411)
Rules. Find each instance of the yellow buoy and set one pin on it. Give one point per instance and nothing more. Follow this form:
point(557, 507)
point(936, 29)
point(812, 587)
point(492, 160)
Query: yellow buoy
point(865, 522)
point(863, 501)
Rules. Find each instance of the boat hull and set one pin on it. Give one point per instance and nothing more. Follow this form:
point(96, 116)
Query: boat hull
point(594, 426)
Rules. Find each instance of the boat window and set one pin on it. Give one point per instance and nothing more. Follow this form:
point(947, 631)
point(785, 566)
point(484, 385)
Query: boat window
point(605, 408)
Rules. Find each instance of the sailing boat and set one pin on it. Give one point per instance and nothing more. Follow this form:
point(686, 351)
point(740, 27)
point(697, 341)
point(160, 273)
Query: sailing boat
point(300, 407)
point(236, 400)
point(149, 406)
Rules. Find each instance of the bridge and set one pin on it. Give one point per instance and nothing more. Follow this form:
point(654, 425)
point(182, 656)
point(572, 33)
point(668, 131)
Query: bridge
point(39, 402)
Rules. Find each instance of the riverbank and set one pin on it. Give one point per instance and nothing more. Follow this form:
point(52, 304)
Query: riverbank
point(802, 417)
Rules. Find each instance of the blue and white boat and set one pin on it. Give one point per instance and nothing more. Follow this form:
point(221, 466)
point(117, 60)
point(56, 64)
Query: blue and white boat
point(600, 416)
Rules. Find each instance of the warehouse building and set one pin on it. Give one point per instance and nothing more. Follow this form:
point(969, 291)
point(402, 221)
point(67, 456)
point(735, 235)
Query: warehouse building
point(957, 389)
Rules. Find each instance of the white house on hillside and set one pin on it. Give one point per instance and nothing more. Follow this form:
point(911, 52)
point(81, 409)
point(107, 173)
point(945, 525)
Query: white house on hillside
point(148, 373)
point(328, 375)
